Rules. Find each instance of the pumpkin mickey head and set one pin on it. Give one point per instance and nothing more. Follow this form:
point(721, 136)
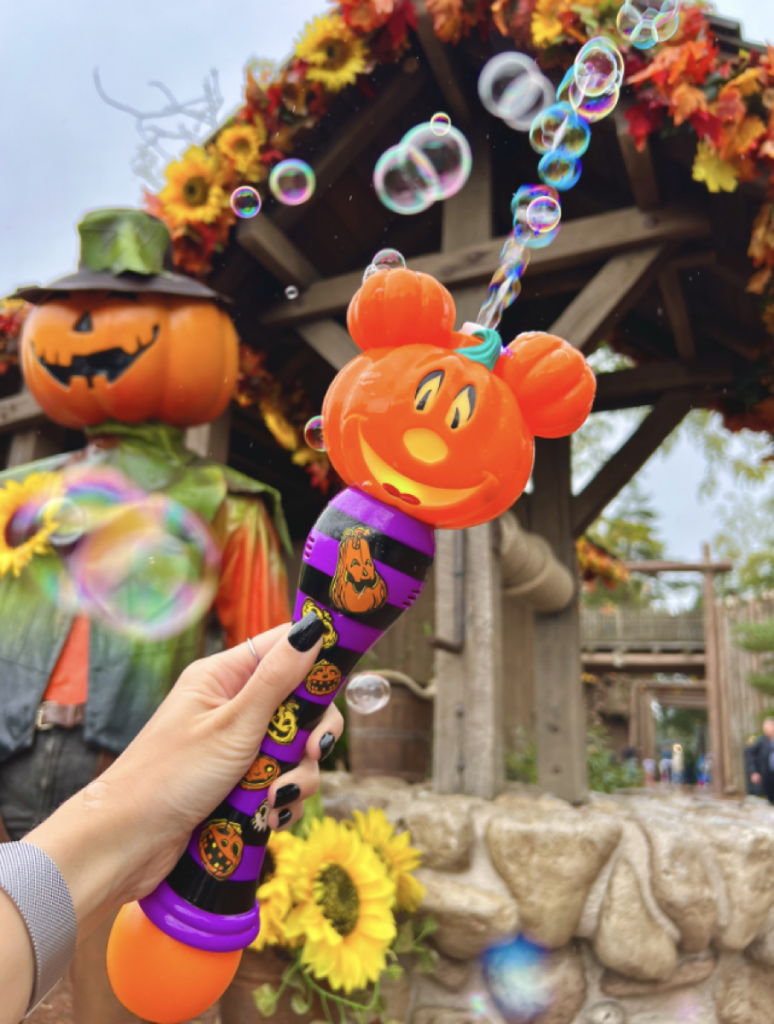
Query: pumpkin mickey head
point(323, 679)
point(442, 424)
point(221, 847)
point(94, 356)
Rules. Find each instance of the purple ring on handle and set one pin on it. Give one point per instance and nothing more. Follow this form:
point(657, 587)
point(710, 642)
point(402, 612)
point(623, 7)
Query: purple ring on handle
point(180, 920)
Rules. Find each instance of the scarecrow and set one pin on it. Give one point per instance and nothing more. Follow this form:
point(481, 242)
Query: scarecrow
point(131, 353)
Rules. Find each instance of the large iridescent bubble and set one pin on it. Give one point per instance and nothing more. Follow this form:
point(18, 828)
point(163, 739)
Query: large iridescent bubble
point(598, 68)
point(292, 182)
point(643, 23)
point(512, 87)
point(590, 108)
point(422, 169)
point(516, 979)
point(560, 127)
point(537, 215)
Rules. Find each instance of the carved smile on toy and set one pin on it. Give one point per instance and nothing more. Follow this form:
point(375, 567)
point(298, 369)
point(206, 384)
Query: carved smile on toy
point(110, 363)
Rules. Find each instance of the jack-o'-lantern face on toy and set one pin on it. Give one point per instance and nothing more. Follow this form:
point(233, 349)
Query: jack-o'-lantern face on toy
point(444, 430)
point(221, 847)
point(261, 773)
point(284, 725)
point(91, 356)
point(323, 679)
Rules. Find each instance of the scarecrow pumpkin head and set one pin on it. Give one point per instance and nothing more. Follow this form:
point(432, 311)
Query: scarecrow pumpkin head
point(442, 424)
point(221, 847)
point(125, 339)
point(357, 586)
point(261, 773)
point(323, 679)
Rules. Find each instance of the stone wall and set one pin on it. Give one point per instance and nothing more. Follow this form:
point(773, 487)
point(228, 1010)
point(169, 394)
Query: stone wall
point(654, 908)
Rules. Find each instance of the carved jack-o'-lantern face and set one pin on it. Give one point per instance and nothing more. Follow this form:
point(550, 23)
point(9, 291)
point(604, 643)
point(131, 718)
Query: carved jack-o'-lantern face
point(95, 356)
point(261, 773)
point(284, 725)
point(439, 423)
point(220, 847)
point(323, 679)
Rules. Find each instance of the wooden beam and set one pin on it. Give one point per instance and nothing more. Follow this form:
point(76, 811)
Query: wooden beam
point(635, 661)
point(645, 384)
point(272, 248)
point(630, 457)
point(560, 715)
point(650, 567)
point(677, 313)
point(437, 54)
point(360, 131)
point(712, 682)
point(582, 241)
point(638, 163)
point(608, 296)
point(19, 411)
point(330, 340)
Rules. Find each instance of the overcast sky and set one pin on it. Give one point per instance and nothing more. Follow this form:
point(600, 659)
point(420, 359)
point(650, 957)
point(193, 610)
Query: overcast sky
point(64, 151)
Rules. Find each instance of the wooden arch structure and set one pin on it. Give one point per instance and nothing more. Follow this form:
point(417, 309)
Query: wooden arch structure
point(644, 253)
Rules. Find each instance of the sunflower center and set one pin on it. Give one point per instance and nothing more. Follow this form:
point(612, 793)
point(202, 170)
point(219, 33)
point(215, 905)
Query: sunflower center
point(336, 894)
point(195, 191)
point(242, 146)
point(337, 53)
point(268, 868)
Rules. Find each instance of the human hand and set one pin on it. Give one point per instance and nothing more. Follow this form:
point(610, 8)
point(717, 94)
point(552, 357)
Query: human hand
point(756, 779)
point(194, 750)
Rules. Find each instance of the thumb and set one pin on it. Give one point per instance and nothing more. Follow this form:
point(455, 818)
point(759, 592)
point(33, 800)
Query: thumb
point(279, 673)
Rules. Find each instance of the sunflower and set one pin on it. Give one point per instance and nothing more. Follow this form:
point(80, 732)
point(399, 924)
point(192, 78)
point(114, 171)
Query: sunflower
point(334, 54)
point(546, 23)
point(279, 869)
point(398, 857)
point(241, 144)
point(194, 191)
point(34, 492)
point(343, 915)
point(717, 174)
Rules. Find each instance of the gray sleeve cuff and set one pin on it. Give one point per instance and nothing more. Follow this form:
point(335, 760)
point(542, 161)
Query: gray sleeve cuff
point(32, 881)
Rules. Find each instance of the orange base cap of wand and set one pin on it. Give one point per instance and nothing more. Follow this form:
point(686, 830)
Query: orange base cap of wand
point(160, 979)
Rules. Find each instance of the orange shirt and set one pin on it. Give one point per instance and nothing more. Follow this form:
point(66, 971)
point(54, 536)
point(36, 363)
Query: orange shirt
point(69, 681)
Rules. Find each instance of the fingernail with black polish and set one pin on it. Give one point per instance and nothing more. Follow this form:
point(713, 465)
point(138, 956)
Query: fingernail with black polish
point(286, 795)
point(327, 743)
point(284, 817)
point(305, 634)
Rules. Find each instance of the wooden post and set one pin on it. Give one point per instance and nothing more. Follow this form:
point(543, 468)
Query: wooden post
point(560, 713)
point(211, 440)
point(468, 755)
point(712, 676)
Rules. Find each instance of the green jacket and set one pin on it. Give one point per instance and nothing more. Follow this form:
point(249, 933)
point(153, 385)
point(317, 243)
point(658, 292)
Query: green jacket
point(128, 679)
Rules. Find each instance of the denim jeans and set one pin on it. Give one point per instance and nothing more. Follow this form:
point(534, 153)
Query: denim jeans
point(34, 782)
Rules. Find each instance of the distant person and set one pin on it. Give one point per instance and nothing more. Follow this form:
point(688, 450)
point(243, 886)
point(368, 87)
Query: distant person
point(678, 765)
point(665, 769)
point(649, 766)
point(759, 759)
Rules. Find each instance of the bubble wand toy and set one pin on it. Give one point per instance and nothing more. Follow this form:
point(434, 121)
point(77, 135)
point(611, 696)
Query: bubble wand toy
point(429, 428)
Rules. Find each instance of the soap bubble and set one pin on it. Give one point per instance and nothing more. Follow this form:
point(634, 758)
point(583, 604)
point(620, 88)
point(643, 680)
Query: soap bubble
point(598, 68)
point(367, 692)
point(245, 202)
point(385, 259)
point(590, 108)
point(512, 87)
point(560, 127)
point(440, 123)
point(423, 168)
point(291, 292)
point(537, 215)
point(478, 1003)
point(292, 182)
point(515, 977)
point(643, 23)
point(313, 434)
point(505, 286)
point(148, 571)
point(559, 170)
point(70, 520)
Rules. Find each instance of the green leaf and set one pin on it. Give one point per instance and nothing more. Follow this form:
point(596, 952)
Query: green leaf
point(427, 960)
point(265, 999)
point(121, 240)
point(404, 940)
point(300, 1003)
point(393, 972)
point(313, 808)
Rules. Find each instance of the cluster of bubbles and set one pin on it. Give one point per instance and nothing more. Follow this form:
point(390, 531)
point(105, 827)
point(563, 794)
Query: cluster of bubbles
point(516, 980)
point(512, 87)
point(291, 182)
point(367, 692)
point(430, 163)
point(142, 564)
point(558, 131)
point(643, 23)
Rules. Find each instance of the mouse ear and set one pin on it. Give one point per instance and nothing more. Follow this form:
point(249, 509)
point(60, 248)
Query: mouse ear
point(400, 307)
point(552, 382)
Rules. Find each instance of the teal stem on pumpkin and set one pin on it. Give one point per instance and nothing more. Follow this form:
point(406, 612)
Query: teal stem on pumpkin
point(488, 352)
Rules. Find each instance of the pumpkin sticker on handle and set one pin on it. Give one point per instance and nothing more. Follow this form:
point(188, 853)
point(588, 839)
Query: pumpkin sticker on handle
point(284, 725)
point(221, 847)
point(323, 679)
point(357, 587)
point(261, 773)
